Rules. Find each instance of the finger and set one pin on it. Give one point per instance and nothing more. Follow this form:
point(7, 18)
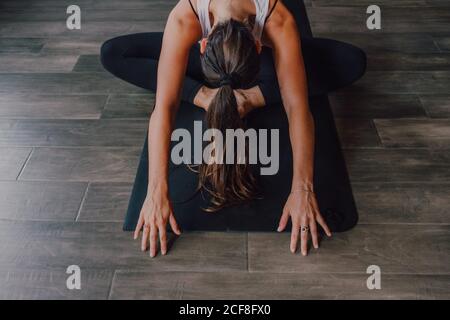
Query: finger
point(323, 224)
point(283, 220)
point(320, 219)
point(153, 240)
point(145, 235)
point(313, 229)
point(294, 236)
point(163, 238)
point(139, 226)
point(174, 224)
point(304, 237)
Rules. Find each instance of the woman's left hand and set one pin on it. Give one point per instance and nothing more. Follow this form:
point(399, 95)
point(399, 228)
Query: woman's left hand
point(303, 209)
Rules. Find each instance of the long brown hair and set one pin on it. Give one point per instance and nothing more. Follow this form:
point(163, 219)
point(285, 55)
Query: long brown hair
point(230, 61)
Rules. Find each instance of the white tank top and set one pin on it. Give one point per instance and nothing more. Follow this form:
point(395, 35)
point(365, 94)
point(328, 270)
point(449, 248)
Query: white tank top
point(262, 9)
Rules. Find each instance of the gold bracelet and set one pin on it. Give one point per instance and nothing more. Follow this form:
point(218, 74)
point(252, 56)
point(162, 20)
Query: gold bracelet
point(303, 189)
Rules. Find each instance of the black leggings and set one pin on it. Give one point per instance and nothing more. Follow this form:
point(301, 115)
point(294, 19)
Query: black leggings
point(330, 65)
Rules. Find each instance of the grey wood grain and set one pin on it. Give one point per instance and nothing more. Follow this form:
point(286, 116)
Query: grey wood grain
point(129, 106)
point(404, 249)
point(137, 4)
point(88, 63)
point(232, 285)
point(64, 83)
point(341, 19)
point(41, 106)
point(73, 45)
point(357, 133)
point(82, 164)
point(105, 245)
point(442, 42)
point(12, 161)
point(21, 45)
point(432, 133)
point(392, 82)
point(387, 42)
point(50, 284)
point(399, 203)
point(366, 3)
point(40, 200)
point(437, 106)
point(398, 165)
point(58, 28)
point(105, 202)
point(377, 106)
point(36, 63)
point(65, 133)
point(408, 61)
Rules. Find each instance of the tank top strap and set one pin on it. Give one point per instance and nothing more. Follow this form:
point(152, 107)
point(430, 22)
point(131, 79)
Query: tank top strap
point(203, 16)
point(262, 9)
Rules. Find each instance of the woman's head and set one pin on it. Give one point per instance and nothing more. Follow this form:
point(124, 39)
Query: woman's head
point(230, 60)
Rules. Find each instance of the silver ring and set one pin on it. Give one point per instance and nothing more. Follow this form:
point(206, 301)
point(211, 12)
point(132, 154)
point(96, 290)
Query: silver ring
point(304, 228)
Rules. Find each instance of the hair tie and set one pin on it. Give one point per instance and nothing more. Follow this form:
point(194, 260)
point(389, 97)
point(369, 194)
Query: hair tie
point(229, 80)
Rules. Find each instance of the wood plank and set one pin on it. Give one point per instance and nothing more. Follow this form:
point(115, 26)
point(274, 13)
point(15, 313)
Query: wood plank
point(414, 132)
point(50, 284)
point(130, 4)
point(88, 63)
point(341, 19)
point(107, 29)
point(357, 133)
point(30, 63)
point(390, 61)
point(105, 245)
point(232, 285)
point(380, 106)
point(42, 106)
point(83, 164)
point(398, 165)
point(395, 82)
point(64, 83)
point(21, 45)
point(40, 200)
point(404, 249)
point(12, 161)
point(65, 133)
point(442, 42)
point(73, 45)
point(392, 203)
point(388, 42)
point(366, 3)
point(105, 202)
point(129, 106)
point(437, 106)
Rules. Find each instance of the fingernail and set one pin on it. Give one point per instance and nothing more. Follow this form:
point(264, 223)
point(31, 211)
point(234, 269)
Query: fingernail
point(164, 253)
point(279, 229)
point(304, 253)
point(151, 255)
point(316, 247)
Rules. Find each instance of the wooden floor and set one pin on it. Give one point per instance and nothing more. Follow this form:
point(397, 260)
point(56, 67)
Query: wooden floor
point(71, 134)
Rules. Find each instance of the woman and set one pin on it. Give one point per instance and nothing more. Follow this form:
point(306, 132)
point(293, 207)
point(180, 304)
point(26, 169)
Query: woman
point(249, 57)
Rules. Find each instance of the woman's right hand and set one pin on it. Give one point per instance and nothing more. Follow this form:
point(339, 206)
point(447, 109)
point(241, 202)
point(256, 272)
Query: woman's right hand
point(155, 213)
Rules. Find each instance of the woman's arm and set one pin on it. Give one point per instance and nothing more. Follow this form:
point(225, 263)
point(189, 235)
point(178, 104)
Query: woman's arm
point(181, 32)
point(281, 30)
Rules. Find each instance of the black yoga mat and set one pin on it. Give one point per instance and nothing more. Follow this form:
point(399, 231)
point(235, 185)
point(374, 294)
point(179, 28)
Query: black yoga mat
point(331, 180)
